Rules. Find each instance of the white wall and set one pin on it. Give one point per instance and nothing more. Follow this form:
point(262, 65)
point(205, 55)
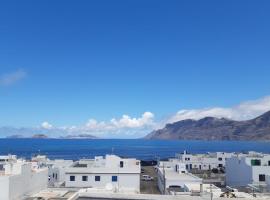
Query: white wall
point(14, 187)
point(130, 181)
point(257, 170)
point(238, 172)
point(27, 183)
point(4, 188)
point(268, 181)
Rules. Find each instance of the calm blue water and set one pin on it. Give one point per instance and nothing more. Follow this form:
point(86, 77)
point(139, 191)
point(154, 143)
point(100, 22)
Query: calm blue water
point(141, 149)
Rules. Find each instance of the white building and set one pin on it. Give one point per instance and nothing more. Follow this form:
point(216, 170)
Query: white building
point(172, 176)
point(111, 172)
point(204, 161)
point(56, 169)
point(5, 159)
point(244, 169)
point(21, 178)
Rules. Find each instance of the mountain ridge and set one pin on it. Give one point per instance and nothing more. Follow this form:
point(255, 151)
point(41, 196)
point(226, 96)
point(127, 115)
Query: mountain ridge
point(211, 128)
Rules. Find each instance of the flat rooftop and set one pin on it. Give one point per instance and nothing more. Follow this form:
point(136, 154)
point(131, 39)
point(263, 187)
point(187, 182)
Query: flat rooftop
point(173, 175)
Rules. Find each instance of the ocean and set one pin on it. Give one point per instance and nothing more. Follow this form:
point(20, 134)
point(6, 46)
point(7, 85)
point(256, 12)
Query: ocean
point(141, 149)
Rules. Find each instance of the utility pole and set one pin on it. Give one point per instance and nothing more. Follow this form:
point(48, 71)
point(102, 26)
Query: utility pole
point(211, 192)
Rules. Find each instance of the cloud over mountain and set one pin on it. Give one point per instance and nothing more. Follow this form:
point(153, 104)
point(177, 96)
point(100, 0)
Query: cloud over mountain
point(244, 111)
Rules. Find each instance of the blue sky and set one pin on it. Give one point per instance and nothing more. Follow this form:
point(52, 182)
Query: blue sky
point(72, 61)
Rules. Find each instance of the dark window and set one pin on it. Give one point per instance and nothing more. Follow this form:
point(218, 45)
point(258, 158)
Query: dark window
point(53, 175)
point(97, 178)
point(220, 165)
point(220, 159)
point(72, 178)
point(84, 178)
point(261, 177)
point(56, 176)
point(186, 166)
point(256, 162)
point(269, 162)
point(121, 164)
point(114, 178)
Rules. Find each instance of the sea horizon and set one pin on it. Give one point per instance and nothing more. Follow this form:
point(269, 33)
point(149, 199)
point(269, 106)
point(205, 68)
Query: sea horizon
point(142, 149)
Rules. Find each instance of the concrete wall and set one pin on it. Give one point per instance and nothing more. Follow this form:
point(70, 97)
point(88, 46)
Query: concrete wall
point(257, 170)
point(130, 181)
point(27, 183)
point(268, 181)
point(4, 188)
point(238, 172)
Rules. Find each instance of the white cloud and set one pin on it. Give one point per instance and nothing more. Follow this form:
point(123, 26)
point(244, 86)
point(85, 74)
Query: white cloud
point(126, 122)
point(121, 128)
point(11, 78)
point(243, 111)
point(46, 125)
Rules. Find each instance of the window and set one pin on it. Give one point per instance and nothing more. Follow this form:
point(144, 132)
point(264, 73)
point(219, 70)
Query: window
point(255, 162)
point(220, 165)
point(56, 176)
point(269, 162)
point(261, 177)
point(121, 164)
point(114, 178)
point(220, 159)
point(72, 178)
point(84, 178)
point(97, 178)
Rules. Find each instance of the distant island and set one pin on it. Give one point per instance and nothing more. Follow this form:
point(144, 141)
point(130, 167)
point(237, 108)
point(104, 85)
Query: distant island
point(39, 136)
point(211, 128)
point(80, 136)
point(44, 136)
point(15, 136)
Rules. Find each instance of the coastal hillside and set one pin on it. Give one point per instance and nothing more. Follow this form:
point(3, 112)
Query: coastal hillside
point(210, 128)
